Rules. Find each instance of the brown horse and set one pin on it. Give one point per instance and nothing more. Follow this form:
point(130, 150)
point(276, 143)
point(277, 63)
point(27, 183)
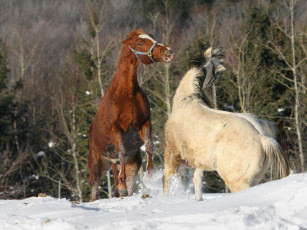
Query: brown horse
point(122, 123)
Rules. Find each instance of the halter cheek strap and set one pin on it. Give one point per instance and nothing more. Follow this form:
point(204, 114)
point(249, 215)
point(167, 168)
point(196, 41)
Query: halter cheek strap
point(149, 53)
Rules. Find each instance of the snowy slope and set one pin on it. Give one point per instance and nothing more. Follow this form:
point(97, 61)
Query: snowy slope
point(279, 204)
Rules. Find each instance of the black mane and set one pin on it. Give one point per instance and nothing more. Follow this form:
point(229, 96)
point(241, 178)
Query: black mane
point(198, 62)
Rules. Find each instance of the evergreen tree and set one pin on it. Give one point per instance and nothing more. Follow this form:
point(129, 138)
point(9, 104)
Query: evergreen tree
point(12, 129)
point(7, 105)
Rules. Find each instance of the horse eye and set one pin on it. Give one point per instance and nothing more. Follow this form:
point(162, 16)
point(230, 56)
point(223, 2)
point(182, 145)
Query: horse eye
point(141, 43)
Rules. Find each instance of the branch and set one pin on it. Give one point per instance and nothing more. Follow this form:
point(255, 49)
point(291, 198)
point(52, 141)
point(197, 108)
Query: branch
point(277, 51)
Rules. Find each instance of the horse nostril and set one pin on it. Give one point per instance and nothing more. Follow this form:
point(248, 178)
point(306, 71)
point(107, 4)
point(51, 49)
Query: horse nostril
point(167, 52)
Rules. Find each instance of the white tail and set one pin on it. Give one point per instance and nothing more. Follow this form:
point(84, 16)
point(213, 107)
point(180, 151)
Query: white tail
point(277, 158)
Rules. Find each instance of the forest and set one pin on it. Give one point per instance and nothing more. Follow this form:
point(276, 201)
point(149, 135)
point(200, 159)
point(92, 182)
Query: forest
point(58, 57)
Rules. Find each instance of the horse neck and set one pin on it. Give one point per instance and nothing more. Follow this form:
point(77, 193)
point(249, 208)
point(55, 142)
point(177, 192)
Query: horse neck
point(125, 78)
point(186, 86)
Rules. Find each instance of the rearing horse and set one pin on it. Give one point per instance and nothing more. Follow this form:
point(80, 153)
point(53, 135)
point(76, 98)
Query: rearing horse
point(122, 123)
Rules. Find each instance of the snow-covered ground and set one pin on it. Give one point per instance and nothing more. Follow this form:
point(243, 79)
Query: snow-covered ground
point(279, 204)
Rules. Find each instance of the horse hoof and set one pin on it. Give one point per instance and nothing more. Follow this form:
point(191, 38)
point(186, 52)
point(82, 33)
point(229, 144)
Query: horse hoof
point(122, 193)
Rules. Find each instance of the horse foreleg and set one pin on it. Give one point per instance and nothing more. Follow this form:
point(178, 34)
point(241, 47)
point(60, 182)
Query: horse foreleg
point(170, 165)
point(145, 134)
point(132, 167)
point(167, 176)
point(115, 173)
point(122, 187)
point(197, 180)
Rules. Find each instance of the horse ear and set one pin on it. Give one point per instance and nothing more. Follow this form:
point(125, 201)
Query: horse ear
point(281, 124)
point(151, 35)
point(127, 41)
point(208, 53)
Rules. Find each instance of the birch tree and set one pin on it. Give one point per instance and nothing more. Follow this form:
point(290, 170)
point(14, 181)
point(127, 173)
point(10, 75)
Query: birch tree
point(295, 63)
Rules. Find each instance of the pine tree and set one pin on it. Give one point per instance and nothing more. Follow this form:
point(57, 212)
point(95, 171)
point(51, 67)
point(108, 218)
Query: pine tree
point(7, 105)
point(12, 129)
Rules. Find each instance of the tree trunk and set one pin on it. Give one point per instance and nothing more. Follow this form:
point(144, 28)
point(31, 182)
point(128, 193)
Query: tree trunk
point(297, 96)
point(167, 91)
point(166, 67)
point(74, 153)
point(59, 190)
point(98, 63)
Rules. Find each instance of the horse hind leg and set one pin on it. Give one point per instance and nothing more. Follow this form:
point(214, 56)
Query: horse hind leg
point(183, 172)
point(122, 187)
point(94, 181)
point(243, 179)
point(167, 176)
point(95, 172)
point(95, 175)
point(170, 167)
point(236, 180)
point(237, 186)
point(145, 135)
point(197, 180)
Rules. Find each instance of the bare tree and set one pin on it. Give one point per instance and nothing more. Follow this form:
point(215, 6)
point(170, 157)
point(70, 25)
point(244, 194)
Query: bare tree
point(28, 55)
point(243, 71)
point(98, 54)
point(166, 39)
point(294, 63)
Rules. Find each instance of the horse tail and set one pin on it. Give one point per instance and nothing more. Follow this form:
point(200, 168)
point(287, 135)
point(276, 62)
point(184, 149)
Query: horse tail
point(276, 157)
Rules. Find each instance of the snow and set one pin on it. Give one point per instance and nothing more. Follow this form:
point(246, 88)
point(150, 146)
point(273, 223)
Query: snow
point(280, 204)
point(40, 153)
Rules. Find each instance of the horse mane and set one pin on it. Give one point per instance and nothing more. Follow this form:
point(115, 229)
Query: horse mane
point(198, 62)
point(202, 73)
point(199, 93)
point(135, 33)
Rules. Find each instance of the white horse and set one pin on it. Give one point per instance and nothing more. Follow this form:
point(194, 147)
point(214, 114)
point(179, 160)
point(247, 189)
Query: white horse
point(207, 139)
point(270, 129)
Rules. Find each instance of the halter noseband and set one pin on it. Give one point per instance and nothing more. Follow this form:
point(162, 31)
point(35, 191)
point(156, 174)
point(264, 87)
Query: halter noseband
point(149, 53)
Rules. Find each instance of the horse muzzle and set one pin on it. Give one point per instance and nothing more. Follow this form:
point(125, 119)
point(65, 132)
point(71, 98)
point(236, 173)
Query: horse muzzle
point(167, 56)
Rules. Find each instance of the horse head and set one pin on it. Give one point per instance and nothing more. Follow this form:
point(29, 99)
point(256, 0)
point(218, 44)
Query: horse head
point(147, 49)
point(212, 66)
